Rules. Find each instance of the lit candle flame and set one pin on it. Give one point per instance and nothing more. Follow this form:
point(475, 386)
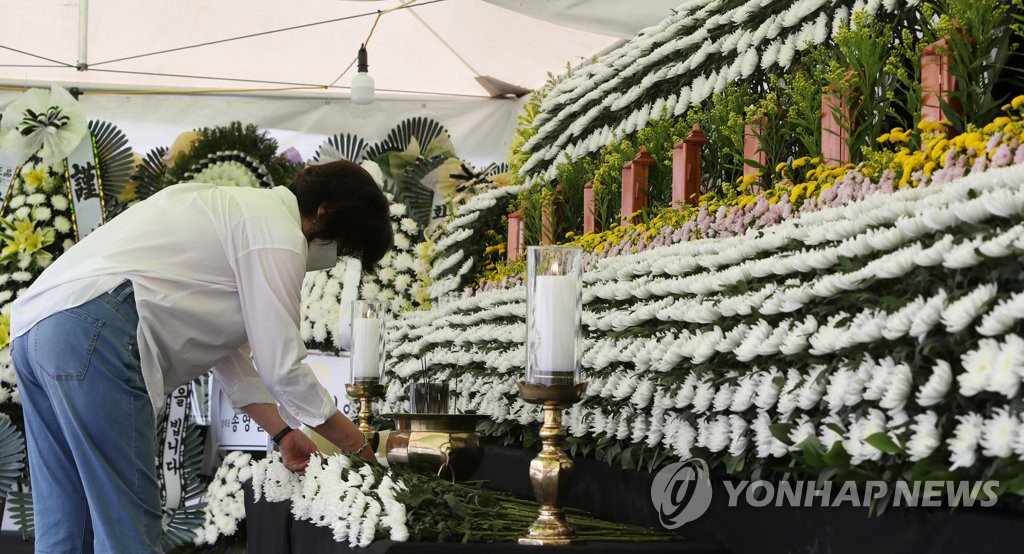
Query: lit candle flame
point(554, 268)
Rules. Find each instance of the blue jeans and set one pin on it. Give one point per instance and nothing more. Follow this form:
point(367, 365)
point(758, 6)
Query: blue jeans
point(89, 427)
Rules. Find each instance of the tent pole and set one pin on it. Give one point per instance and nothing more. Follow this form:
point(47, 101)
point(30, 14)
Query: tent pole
point(83, 35)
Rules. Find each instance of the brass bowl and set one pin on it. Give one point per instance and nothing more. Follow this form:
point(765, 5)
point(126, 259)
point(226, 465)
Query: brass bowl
point(445, 445)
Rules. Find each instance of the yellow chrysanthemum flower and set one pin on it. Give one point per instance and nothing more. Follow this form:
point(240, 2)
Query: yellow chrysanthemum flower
point(5, 330)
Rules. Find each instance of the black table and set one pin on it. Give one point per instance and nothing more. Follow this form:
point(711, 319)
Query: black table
point(623, 496)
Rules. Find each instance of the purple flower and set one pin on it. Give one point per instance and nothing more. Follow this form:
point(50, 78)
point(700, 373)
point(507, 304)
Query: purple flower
point(1018, 157)
point(293, 156)
point(1002, 156)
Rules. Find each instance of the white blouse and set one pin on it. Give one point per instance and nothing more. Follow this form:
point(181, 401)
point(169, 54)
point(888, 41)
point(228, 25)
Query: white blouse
point(216, 271)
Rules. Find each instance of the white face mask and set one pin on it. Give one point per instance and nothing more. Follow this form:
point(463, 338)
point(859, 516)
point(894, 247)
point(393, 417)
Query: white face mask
point(322, 254)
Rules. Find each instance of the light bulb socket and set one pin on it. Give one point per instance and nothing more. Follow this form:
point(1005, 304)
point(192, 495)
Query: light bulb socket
point(361, 65)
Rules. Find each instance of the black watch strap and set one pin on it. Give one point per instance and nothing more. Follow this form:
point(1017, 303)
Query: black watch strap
point(280, 435)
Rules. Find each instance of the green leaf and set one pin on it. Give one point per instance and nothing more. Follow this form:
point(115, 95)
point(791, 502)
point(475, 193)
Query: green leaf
point(883, 442)
point(1014, 486)
point(12, 455)
point(628, 458)
point(20, 506)
point(813, 451)
point(781, 431)
point(837, 456)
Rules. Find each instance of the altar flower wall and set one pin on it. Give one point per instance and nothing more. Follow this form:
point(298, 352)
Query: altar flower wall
point(881, 337)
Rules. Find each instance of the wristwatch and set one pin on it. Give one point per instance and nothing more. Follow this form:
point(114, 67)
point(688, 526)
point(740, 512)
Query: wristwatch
point(280, 435)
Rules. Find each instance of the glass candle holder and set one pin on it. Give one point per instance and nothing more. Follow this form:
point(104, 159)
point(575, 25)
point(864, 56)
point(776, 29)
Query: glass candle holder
point(553, 314)
point(368, 320)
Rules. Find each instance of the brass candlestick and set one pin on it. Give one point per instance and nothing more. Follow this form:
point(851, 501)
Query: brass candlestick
point(366, 392)
point(551, 469)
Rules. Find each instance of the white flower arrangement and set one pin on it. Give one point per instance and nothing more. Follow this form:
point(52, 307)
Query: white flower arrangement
point(225, 501)
point(678, 54)
point(227, 173)
point(40, 207)
point(459, 246)
point(664, 350)
point(353, 503)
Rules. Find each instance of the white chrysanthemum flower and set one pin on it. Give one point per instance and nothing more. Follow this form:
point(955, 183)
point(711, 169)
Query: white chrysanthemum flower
point(746, 389)
point(1003, 316)
point(17, 202)
point(386, 274)
point(828, 432)
point(860, 429)
point(767, 445)
point(59, 202)
point(402, 241)
point(35, 199)
point(963, 255)
point(1018, 442)
point(371, 290)
point(767, 389)
point(684, 439)
point(402, 282)
point(998, 434)
point(963, 445)
point(737, 435)
point(934, 254)
point(935, 389)
point(409, 226)
point(900, 384)
point(404, 261)
point(978, 363)
point(929, 315)
point(880, 373)
point(41, 213)
point(62, 224)
point(703, 396)
point(809, 392)
point(926, 436)
point(22, 212)
point(723, 398)
point(1008, 367)
point(802, 430)
point(961, 312)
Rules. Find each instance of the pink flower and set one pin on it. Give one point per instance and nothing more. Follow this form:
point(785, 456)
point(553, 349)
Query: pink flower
point(1002, 156)
point(1018, 157)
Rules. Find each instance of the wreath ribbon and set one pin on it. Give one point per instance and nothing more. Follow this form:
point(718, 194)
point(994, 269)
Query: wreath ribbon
point(48, 123)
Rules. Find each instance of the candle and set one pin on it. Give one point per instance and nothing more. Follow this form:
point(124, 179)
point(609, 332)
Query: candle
point(554, 307)
point(366, 349)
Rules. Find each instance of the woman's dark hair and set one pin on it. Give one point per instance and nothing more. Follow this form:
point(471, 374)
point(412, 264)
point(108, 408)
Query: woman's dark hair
point(358, 214)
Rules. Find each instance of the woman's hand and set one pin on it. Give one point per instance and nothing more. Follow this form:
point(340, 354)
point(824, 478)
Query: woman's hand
point(296, 448)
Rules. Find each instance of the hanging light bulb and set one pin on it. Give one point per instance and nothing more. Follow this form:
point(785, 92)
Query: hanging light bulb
point(362, 83)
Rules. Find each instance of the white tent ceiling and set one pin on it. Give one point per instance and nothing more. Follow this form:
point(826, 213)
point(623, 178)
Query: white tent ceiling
point(426, 47)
